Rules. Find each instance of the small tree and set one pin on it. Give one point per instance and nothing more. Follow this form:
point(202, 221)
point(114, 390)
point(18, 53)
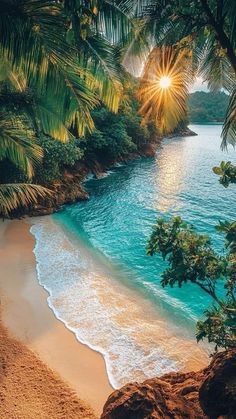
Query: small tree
point(192, 259)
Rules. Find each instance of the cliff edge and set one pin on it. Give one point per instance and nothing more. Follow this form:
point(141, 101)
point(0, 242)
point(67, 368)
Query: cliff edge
point(208, 393)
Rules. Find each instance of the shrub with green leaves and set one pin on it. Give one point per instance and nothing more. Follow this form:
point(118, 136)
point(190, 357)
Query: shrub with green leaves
point(227, 173)
point(117, 135)
point(110, 141)
point(192, 259)
point(56, 155)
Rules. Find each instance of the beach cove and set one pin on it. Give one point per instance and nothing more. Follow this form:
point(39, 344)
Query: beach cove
point(28, 318)
point(78, 291)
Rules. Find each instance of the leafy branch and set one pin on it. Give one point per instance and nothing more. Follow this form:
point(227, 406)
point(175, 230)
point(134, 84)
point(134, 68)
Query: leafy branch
point(192, 259)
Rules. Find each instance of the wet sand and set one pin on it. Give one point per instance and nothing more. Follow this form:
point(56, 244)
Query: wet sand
point(27, 317)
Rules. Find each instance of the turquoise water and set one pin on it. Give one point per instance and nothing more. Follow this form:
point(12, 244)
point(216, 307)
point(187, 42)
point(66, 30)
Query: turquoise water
point(107, 235)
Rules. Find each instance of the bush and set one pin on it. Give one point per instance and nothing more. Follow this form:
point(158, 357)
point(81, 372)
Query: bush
point(57, 155)
point(117, 135)
point(110, 141)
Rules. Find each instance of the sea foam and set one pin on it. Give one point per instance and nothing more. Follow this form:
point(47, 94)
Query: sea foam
point(104, 314)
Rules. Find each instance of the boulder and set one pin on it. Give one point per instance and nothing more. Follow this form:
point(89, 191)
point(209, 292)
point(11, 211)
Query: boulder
point(174, 396)
point(208, 393)
point(217, 393)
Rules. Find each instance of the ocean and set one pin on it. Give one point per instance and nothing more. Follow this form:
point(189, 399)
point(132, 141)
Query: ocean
point(91, 257)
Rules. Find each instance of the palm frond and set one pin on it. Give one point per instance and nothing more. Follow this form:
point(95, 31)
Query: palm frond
point(166, 106)
point(35, 44)
point(229, 127)
point(113, 20)
point(215, 67)
point(17, 143)
point(15, 195)
point(103, 62)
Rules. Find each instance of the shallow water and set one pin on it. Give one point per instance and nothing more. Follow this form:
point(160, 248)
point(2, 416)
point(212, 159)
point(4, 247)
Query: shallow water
point(91, 257)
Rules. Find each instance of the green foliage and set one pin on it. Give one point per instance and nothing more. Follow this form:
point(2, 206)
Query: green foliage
point(192, 259)
point(229, 127)
point(115, 136)
point(207, 107)
point(15, 195)
point(206, 29)
point(110, 141)
point(18, 149)
point(118, 135)
point(58, 60)
point(140, 132)
point(229, 229)
point(56, 156)
point(190, 255)
point(227, 173)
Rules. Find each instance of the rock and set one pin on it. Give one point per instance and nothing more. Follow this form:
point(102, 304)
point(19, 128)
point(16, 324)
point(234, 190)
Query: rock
point(176, 395)
point(149, 150)
point(218, 392)
point(185, 132)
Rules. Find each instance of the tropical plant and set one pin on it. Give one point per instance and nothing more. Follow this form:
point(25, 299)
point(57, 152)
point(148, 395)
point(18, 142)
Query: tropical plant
point(227, 173)
point(57, 62)
point(205, 28)
point(118, 135)
point(165, 104)
point(56, 157)
point(18, 146)
point(192, 259)
point(110, 141)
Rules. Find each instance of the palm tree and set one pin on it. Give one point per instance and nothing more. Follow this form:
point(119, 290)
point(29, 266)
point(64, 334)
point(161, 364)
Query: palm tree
point(57, 63)
point(18, 146)
point(205, 28)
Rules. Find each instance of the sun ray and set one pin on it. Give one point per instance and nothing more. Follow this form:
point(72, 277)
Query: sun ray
point(164, 87)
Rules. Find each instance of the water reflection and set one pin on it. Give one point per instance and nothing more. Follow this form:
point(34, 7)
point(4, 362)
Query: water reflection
point(173, 165)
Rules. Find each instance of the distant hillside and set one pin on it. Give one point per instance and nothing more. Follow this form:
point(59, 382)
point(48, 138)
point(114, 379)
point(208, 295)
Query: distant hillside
point(207, 107)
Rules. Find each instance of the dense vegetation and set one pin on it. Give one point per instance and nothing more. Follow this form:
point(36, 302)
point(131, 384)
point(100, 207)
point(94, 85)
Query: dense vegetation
point(58, 62)
point(115, 137)
point(206, 107)
point(192, 259)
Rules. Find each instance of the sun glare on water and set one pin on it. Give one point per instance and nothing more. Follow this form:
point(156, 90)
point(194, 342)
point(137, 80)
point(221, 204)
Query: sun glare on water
point(165, 82)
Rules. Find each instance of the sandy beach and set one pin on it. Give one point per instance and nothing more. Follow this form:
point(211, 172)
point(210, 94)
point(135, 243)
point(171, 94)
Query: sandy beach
point(27, 317)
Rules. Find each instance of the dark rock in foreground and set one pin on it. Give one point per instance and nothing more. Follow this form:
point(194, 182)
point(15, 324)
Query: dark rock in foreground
point(210, 392)
point(217, 393)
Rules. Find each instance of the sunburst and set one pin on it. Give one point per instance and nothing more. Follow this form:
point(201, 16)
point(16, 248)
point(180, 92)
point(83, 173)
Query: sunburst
point(165, 82)
point(164, 87)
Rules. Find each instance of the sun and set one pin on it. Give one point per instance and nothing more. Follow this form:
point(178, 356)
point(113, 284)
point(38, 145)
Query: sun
point(165, 82)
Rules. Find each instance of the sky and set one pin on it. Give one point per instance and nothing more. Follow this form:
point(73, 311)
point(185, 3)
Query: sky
point(135, 65)
point(199, 86)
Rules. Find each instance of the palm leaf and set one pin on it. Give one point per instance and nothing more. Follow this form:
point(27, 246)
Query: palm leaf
point(17, 143)
point(167, 107)
point(15, 195)
point(103, 63)
point(33, 40)
point(229, 127)
point(215, 67)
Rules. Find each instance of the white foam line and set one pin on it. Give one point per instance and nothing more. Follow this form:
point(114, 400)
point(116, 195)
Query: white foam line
point(108, 317)
point(111, 380)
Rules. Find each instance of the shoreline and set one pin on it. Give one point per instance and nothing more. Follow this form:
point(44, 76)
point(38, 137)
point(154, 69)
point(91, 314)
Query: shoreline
point(28, 318)
point(69, 189)
point(99, 291)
